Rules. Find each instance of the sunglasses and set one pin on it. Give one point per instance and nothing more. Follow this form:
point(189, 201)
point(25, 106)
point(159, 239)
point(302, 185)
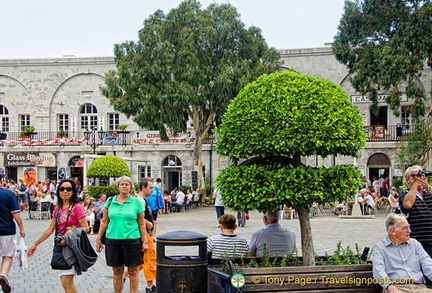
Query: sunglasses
point(68, 189)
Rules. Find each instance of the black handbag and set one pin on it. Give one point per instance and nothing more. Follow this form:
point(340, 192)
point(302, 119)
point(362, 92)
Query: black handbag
point(58, 262)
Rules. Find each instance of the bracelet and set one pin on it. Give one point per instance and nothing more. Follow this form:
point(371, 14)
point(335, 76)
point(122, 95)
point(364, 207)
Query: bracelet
point(145, 241)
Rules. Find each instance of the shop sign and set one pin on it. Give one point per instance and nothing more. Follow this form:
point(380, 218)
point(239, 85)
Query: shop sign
point(152, 137)
point(358, 99)
point(30, 159)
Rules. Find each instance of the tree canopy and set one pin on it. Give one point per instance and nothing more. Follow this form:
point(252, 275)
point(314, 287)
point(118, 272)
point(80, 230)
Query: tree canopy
point(385, 44)
point(275, 120)
point(187, 64)
point(414, 149)
point(108, 166)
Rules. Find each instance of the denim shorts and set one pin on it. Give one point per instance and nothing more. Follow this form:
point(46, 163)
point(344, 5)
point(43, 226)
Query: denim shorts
point(123, 252)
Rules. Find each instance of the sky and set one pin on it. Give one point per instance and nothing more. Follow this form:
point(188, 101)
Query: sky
point(90, 28)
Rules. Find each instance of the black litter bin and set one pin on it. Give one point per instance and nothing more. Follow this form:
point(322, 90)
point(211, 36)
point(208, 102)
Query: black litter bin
point(181, 262)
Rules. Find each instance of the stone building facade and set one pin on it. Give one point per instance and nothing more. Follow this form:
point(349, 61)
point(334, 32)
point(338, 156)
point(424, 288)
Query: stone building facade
point(61, 98)
point(384, 130)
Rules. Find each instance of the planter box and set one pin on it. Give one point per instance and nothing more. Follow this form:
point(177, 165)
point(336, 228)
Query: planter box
point(330, 279)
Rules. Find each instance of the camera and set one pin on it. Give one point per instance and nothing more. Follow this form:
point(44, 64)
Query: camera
point(57, 239)
point(422, 173)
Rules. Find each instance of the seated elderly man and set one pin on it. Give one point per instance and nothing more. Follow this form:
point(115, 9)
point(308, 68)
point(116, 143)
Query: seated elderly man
point(400, 262)
point(227, 242)
point(279, 240)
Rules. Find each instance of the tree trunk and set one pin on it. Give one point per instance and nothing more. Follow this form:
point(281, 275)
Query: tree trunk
point(197, 157)
point(308, 251)
point(202, 125)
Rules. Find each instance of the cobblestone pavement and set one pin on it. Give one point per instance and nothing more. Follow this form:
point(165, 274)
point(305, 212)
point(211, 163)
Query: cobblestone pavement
point(327, 231)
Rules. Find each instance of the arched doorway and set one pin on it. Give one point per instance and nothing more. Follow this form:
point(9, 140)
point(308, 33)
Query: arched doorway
point(172, 172)
point(378, 164)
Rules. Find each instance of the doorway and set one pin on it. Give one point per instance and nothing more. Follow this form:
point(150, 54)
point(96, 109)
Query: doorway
point(378, 165)
point(12, 173)
point(172, 172)
point(172, 179)
point(381, 118)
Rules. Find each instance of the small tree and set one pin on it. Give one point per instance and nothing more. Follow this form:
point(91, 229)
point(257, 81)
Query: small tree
point(277, 119)
point(104, 167)
point(414, 150)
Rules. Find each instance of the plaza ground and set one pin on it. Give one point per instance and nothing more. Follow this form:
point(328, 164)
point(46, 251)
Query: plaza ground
point(327, 231)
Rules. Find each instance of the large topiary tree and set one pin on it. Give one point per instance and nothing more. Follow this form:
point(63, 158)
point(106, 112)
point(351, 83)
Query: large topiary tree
point(108, 166)
point(276, 120)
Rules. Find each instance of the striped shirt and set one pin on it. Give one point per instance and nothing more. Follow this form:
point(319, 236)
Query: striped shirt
point(419, 217)
point(236, 246)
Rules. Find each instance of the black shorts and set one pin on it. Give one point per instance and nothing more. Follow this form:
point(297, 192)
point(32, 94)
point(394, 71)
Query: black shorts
point(155, 214)
point(123, 252)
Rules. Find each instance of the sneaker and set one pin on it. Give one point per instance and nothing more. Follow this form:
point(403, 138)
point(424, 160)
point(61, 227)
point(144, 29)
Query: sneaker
point(5, 284)
point(151, 290)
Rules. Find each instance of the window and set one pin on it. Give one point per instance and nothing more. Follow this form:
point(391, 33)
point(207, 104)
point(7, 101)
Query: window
point(88, 117)
point(24, 122)
point(63, 122)
point(171, 161)
point(144, 172)
point(113, 121)
point(4, 114)
point(407, 120)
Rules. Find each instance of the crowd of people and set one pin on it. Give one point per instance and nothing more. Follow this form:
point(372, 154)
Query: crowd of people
point(373, 196)
point(128, 228)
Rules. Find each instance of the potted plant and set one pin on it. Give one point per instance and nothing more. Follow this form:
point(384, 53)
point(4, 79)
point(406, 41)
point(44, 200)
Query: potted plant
point(62, 134)
point(274, 274)
point(122, 128)
point(273, 122)
point(28, 132)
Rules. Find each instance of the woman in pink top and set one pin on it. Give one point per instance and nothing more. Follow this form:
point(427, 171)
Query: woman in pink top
point(67, 216)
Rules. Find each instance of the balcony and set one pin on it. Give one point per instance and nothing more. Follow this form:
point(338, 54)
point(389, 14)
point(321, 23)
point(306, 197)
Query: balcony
point(64, 138)
point(376, 133)
point(60, 138)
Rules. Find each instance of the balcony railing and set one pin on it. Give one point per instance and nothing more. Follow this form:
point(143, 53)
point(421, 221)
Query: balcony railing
point(60, 138)
point(374, 133)
point(387, 133)
point(51, 138)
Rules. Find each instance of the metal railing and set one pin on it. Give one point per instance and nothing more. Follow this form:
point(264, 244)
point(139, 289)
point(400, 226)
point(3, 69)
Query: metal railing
point(375, 133)
point(55, 138)
point(388, 132)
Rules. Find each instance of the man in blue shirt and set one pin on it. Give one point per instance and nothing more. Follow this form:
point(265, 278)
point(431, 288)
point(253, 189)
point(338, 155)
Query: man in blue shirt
point(279, 240)
point(9, 211)
point(155, 202)
point(399, 262)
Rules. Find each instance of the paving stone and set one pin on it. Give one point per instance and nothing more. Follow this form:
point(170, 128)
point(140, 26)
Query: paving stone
point(327, 231)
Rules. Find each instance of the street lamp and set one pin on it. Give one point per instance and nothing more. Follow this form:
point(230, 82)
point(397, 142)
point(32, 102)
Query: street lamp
point(91, 138)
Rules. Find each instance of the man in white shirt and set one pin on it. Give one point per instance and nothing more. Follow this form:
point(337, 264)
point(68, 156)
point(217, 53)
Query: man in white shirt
point(179, 200)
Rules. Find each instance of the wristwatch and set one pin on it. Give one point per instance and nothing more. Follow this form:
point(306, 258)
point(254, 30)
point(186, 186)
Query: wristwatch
point(429, 187)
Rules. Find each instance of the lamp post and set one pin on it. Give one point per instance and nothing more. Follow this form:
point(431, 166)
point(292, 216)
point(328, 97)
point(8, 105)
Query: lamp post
point(92, 138)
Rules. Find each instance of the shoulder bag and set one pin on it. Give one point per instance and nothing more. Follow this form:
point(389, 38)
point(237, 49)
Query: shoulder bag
point(58, 262)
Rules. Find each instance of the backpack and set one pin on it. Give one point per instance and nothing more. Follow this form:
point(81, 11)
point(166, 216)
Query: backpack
point(22, 187)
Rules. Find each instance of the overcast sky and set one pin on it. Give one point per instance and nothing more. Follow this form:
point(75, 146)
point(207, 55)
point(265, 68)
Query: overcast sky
point(84, 28)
